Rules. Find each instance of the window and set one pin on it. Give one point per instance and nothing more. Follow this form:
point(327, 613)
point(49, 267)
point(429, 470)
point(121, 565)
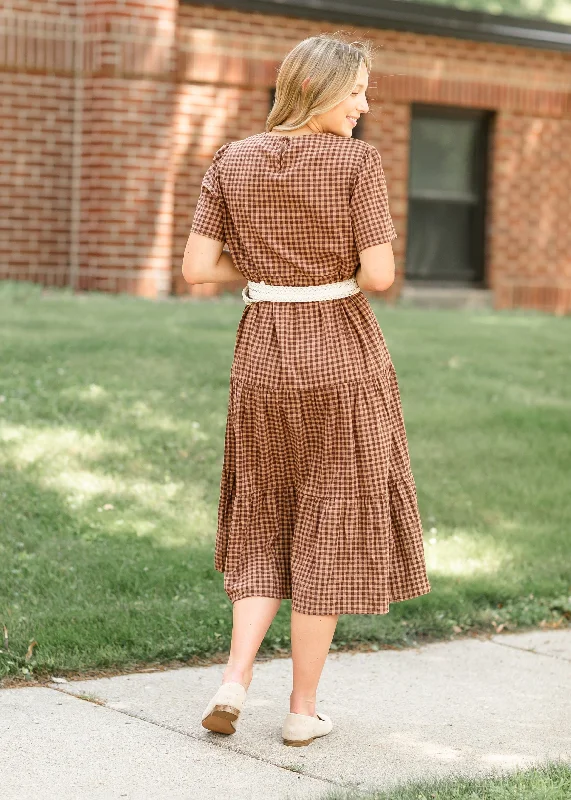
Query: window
point(447, 193)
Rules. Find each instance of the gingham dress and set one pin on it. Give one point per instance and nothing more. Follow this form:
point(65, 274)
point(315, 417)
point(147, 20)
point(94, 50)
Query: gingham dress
point(317, 498)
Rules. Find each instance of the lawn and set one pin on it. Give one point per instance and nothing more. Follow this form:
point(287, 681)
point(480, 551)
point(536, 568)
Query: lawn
point(112, 415)
point(548, 781)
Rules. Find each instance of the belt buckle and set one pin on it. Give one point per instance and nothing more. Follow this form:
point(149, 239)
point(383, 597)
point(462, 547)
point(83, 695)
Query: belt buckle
point(247, 300)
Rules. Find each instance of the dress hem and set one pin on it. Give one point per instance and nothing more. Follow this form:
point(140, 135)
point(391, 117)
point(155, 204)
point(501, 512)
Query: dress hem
point(342, 609)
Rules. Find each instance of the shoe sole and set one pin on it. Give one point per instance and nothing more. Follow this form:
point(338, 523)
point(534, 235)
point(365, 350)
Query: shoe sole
point(221, 718)
point(298, 742)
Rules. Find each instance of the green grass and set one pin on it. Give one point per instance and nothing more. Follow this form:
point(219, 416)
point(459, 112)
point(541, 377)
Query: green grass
point(112, 415)
point(550, 781)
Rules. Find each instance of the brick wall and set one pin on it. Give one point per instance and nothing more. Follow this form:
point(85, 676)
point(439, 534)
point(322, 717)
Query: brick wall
point(37, 52)
point(112, 111)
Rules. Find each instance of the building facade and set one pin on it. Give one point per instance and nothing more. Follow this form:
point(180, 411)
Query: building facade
point(111, 112)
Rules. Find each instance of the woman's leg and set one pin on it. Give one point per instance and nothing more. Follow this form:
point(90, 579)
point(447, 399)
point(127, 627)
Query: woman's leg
point(252, 616)
point(311, 636)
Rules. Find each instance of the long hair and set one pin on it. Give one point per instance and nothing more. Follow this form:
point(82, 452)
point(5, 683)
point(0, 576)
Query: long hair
point(331, 63)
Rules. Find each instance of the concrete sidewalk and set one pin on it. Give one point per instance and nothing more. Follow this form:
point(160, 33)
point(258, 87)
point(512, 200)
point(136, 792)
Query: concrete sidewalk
point(467, 707)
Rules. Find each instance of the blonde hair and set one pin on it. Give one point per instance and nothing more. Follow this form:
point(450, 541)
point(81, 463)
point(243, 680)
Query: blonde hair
point(331, 63)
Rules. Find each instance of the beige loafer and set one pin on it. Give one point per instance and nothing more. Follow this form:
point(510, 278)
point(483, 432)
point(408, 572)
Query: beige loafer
point(224, 708)
point(301, 729)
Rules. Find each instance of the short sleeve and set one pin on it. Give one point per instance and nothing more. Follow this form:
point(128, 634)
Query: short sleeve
point(369, 204)
point(210, 213)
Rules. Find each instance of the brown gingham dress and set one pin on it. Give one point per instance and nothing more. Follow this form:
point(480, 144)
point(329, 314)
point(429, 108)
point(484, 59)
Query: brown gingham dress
point(317, 498)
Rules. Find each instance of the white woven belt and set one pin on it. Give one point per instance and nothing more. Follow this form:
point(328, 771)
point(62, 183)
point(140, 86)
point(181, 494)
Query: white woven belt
point(256, 292)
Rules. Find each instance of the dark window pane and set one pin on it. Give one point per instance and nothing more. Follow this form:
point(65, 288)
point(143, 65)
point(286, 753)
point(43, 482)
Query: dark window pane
point(440, 242)
point(442, 155)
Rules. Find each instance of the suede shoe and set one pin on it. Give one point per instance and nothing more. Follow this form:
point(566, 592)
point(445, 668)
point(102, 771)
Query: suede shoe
point(301, 729)
point(224, 708)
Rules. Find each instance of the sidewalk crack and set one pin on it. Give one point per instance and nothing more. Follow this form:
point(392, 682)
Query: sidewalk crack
point(529, 650)
point(174, 729)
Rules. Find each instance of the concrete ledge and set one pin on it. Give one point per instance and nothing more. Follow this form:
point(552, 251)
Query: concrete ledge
point(438, 296)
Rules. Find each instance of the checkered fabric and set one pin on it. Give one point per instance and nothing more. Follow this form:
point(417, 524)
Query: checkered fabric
point(317, 498)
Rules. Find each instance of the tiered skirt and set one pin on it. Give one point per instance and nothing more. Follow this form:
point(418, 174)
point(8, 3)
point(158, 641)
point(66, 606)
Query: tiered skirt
point(317, 498)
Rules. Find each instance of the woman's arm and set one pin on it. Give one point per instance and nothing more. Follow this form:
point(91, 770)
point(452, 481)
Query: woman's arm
point(205, 261)
point(376, 270)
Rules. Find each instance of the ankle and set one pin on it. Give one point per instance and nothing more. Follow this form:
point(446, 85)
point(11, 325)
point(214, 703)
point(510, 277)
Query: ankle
point(299, 704)
point(238, 674)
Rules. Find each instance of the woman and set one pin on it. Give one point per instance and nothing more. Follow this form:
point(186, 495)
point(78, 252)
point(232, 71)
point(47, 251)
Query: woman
point(317, 499)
